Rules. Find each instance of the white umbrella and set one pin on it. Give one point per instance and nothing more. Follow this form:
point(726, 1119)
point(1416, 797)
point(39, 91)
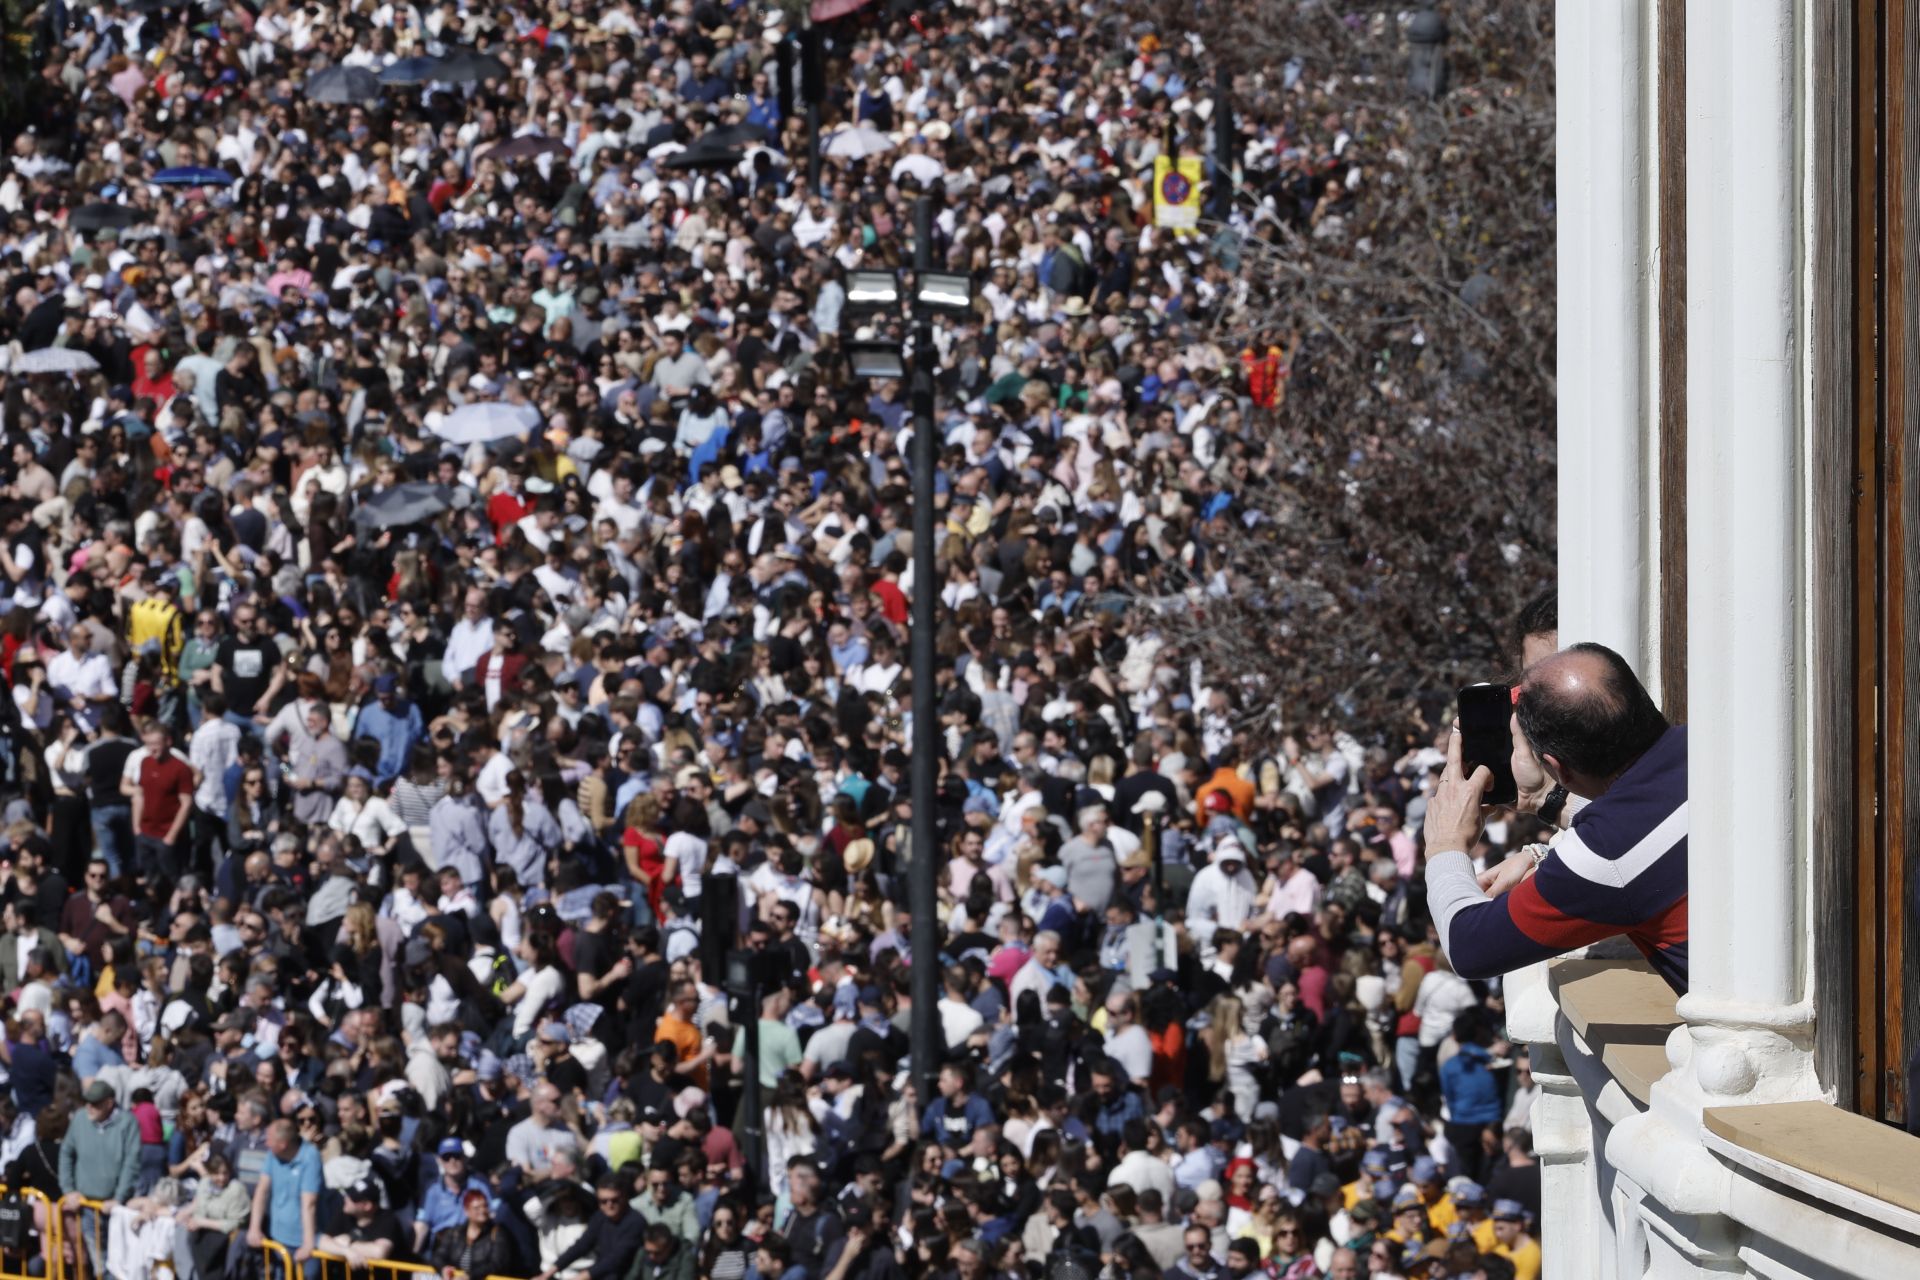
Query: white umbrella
point(924, 168)
point(55, 360)
point(486, 421)
point(859, 142)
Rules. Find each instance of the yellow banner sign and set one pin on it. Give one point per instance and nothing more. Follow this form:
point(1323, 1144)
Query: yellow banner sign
point(1176, 192)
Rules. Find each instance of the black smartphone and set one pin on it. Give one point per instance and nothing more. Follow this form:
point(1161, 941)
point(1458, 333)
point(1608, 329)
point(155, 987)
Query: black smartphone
point(1486, 737)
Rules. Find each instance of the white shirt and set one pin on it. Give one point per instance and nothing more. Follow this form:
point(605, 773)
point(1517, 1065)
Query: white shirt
point(374, 822)
point(1132, 1048)
point(1142, 1171)
point(214, 746)
point(68, 766)
point(958, 1021)
point(542, 986)
point(42, 716)
point(88, 677)
point(1031, 976)
point(467, 643)
point(491, 785)
point(38, 996)
point(688, 853)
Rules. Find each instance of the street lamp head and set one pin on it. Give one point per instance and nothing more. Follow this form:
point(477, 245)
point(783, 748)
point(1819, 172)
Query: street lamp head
point(876, 358)
point(742, 980)
point(944, 291)
point(872, 290)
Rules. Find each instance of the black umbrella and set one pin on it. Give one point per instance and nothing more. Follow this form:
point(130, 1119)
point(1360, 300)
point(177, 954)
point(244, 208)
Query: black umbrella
point(345, 85)
point(471, 68)
point(98, 216)
point(735, 135)
point(415, 70)
point(404, 504)
point(525, 147)
point(705, 155)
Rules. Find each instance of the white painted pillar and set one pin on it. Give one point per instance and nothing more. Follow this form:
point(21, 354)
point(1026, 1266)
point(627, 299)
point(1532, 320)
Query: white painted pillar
point(1748, 1031)
point(1746, 369)
point(1569, 1183)
point(1603, 176)
point(1602, 64)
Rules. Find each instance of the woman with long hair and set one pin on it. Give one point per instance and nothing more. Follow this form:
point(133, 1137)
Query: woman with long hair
point(256, 816)
point(360, 940)
point(1233, 1054)
point(642, 849)
point(1018, 1190)
point(189, 1145)
point(724, 1253)
point(790, 1128)
point(541, 986)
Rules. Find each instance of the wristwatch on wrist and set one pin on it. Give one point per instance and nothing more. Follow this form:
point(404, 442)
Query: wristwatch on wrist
point(1550, 807)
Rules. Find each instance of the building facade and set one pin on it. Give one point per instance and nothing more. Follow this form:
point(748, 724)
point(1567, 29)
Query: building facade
point(1739, 512)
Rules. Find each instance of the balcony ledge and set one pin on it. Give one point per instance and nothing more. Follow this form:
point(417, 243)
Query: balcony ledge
point(1848, 1161)
point(1623, 1013)
point(1613, 1002)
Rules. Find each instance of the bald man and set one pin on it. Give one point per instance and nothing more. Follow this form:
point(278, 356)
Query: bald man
point(1583, 719)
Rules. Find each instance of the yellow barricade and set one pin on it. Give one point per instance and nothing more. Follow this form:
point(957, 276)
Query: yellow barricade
point(392, 1270)
point(329, 1261)
point(80, 1257)
point(271, 1249)
point(50, 1242)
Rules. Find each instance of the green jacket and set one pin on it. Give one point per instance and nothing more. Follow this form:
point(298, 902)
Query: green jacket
point(229, 1208)
point(678, 1266)
point(101, 1161)
point(10, 969)
point(679, 1216)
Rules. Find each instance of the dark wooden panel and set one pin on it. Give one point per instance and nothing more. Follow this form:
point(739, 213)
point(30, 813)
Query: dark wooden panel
point(1672, 213)
point(1868, 870)
point(1900, 351)
point(1830, 532)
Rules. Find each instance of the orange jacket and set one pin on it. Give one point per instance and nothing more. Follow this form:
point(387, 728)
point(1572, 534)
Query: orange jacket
point(1238, 790)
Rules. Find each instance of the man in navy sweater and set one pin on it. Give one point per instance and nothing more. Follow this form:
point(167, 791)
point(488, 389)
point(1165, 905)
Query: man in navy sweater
point(1583, 722)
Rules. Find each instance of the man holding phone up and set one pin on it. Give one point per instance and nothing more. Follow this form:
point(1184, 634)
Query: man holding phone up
point(1583, 722)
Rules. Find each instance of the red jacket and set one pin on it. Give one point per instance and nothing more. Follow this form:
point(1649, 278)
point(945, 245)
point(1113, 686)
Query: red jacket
point(510, 668)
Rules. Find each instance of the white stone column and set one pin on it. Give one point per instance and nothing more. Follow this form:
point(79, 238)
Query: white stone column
point(1744, 494)
point(1569, 1183)
point(1603, 169)
point(1747, 1036)
point(1747, 325)
point(1605, 179)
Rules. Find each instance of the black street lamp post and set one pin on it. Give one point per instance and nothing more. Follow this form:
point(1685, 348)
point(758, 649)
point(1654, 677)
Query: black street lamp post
point(878, 292)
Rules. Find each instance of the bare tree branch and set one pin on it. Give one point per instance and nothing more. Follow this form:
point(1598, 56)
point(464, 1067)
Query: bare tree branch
point(1400, 502)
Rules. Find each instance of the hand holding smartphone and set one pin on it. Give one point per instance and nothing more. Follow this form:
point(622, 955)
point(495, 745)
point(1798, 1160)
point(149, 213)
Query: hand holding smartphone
point(1486, 738)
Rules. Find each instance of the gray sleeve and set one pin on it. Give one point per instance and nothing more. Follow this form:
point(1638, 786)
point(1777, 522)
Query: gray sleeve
point(1451, 889)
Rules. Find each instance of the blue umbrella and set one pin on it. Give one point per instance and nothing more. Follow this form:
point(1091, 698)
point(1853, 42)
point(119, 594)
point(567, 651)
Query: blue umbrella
point(414, 70)
point(194, 176)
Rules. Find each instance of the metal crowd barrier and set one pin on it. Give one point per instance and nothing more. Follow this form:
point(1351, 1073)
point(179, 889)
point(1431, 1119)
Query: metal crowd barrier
point(50, 1249)
point(393, 1270)
point(270, 1249)
point(80, 1257)
point(375, 1270)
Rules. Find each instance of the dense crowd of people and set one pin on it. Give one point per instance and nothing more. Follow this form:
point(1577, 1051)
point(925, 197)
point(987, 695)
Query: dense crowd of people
point(453, 579)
